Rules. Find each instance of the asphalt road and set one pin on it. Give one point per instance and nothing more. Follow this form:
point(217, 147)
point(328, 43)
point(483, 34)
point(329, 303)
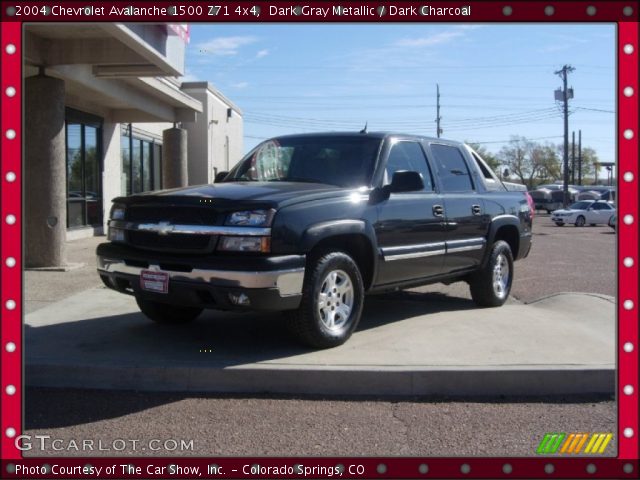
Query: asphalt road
point(249, 426)
point(562, 259)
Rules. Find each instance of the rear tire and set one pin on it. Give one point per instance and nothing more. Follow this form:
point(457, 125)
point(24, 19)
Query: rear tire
point(332, 299)
point(167, 314)
point(490, 287)
point(580, 221)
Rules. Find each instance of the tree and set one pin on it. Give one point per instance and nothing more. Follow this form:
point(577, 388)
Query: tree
point(533, 163)
point(486, 155)
point(589, 159)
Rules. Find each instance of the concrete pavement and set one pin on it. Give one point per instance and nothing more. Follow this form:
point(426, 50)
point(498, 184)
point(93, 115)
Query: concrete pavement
point(408, 343)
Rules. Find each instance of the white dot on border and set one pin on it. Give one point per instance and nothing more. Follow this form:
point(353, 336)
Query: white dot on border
point(10, 304)
point(549, 10)
point(627, 11)
point(591, 10)
point(10, 262)
point(10, 347)
point(549, 468)
point(10, 92)
point(628, 304)
point(628, 219)
point(11, 134)
point(628, 262)
point(628, 176)
point(591, 468)
point(423, 468)
point(628, 49)
point(11, 219)
point(507, 468)
point(10, 432)
point(381, 468)
point(465, 468)
point(628, 347)
point(628, 134)
point(507, 10)
point(628, 432)
point(10, 177)
point(628, 91)
point(10, 390)
point(10, 49)
point(627, 468)
point(628, 389)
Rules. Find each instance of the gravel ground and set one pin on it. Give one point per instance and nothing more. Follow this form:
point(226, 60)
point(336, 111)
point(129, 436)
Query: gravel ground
point(244, 426)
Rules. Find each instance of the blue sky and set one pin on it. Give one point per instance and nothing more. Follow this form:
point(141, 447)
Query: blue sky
point(495, 80)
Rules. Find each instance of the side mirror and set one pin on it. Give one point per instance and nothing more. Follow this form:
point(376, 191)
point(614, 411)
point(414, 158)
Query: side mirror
point(220, 176)
point(406, 181)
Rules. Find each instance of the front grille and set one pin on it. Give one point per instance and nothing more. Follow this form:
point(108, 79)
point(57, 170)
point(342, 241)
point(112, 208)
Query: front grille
point(178, 242)
point(176, 215)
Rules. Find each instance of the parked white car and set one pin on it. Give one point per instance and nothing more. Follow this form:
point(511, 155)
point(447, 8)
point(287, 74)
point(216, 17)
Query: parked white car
point(584, 212)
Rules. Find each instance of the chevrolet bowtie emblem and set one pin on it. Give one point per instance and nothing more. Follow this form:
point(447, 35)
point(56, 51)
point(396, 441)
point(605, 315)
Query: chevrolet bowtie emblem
point(164, 228)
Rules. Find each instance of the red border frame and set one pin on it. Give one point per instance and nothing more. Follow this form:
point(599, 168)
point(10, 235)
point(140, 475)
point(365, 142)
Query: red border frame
point(11, 246)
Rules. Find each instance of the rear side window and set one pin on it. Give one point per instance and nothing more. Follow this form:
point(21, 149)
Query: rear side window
point(408, 156)
point(454, 173)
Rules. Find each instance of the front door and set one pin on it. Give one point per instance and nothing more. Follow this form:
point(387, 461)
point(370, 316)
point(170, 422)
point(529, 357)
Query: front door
point(410, 226)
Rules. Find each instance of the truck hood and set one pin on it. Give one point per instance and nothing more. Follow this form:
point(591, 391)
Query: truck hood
point(274, 194)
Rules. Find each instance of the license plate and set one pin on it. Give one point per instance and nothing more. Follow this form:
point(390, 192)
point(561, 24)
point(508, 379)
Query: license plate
point(154, 281)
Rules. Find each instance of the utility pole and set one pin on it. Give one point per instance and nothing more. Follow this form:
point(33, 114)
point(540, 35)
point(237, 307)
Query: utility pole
point(565, 96)
point(573, 158)
point(579, 157)
point(438, 117)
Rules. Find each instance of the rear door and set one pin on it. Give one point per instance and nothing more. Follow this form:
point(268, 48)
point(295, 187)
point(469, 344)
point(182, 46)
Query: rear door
point(410, 226)
point(466, 224)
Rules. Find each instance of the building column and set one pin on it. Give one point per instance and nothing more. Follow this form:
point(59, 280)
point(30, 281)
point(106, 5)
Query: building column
point(45, 172)
point(174, 158)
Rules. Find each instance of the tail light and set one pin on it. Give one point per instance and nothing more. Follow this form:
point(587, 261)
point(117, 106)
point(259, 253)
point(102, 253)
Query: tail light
point(532, 205)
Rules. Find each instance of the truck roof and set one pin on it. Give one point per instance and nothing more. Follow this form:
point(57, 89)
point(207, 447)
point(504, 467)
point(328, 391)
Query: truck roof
point(380, 135)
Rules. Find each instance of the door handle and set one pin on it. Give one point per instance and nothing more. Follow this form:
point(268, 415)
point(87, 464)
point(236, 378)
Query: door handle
point(475, 209)
point(438, 211)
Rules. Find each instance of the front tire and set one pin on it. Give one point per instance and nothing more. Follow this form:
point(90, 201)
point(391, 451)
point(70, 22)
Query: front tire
point(490, 287)
point(332, 299)
point(167, 314)
point(580, 221)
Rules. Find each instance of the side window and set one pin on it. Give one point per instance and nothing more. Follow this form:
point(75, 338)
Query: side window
point(453, 170)
point(408, 156)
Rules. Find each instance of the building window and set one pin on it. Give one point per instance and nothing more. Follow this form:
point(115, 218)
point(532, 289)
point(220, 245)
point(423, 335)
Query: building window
point(83, 134)
point(141, 164)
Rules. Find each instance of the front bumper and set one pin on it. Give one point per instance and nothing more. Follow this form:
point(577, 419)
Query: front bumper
point(271, 283)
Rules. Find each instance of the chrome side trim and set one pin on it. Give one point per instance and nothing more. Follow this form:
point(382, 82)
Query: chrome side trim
point(165, 228)
point(465, 245)
point(413, 251)
point(288, 282)
point(403, 256)
point(464, 249)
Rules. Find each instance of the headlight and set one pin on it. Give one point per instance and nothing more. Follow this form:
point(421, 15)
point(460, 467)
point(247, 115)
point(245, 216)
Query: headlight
point(117, 212)
point(251, 218)
point(245, 244)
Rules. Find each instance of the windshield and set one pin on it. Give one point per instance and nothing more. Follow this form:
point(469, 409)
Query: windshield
point(335, 160)
point(580, 205)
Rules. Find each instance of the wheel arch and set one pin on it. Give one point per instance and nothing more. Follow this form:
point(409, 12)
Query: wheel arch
point(354, 237)
point(507, 228)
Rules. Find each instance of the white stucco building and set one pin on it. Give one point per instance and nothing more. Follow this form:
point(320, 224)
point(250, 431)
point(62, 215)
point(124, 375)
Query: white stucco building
point(106, 114)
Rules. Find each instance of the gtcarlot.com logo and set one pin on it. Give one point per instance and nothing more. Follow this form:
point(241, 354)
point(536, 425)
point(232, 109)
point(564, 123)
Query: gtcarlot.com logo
point(45, 442)
point(574, 443)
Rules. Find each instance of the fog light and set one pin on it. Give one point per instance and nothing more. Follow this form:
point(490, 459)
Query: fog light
point(116, 234)
point(239, 299)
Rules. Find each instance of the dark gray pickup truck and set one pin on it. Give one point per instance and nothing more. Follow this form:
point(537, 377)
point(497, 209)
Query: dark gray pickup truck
point(309, 224)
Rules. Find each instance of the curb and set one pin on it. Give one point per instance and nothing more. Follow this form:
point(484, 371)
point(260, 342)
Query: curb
point(553, 380)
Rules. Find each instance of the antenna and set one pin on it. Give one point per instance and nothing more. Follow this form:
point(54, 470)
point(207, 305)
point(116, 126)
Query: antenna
point(364, 130)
